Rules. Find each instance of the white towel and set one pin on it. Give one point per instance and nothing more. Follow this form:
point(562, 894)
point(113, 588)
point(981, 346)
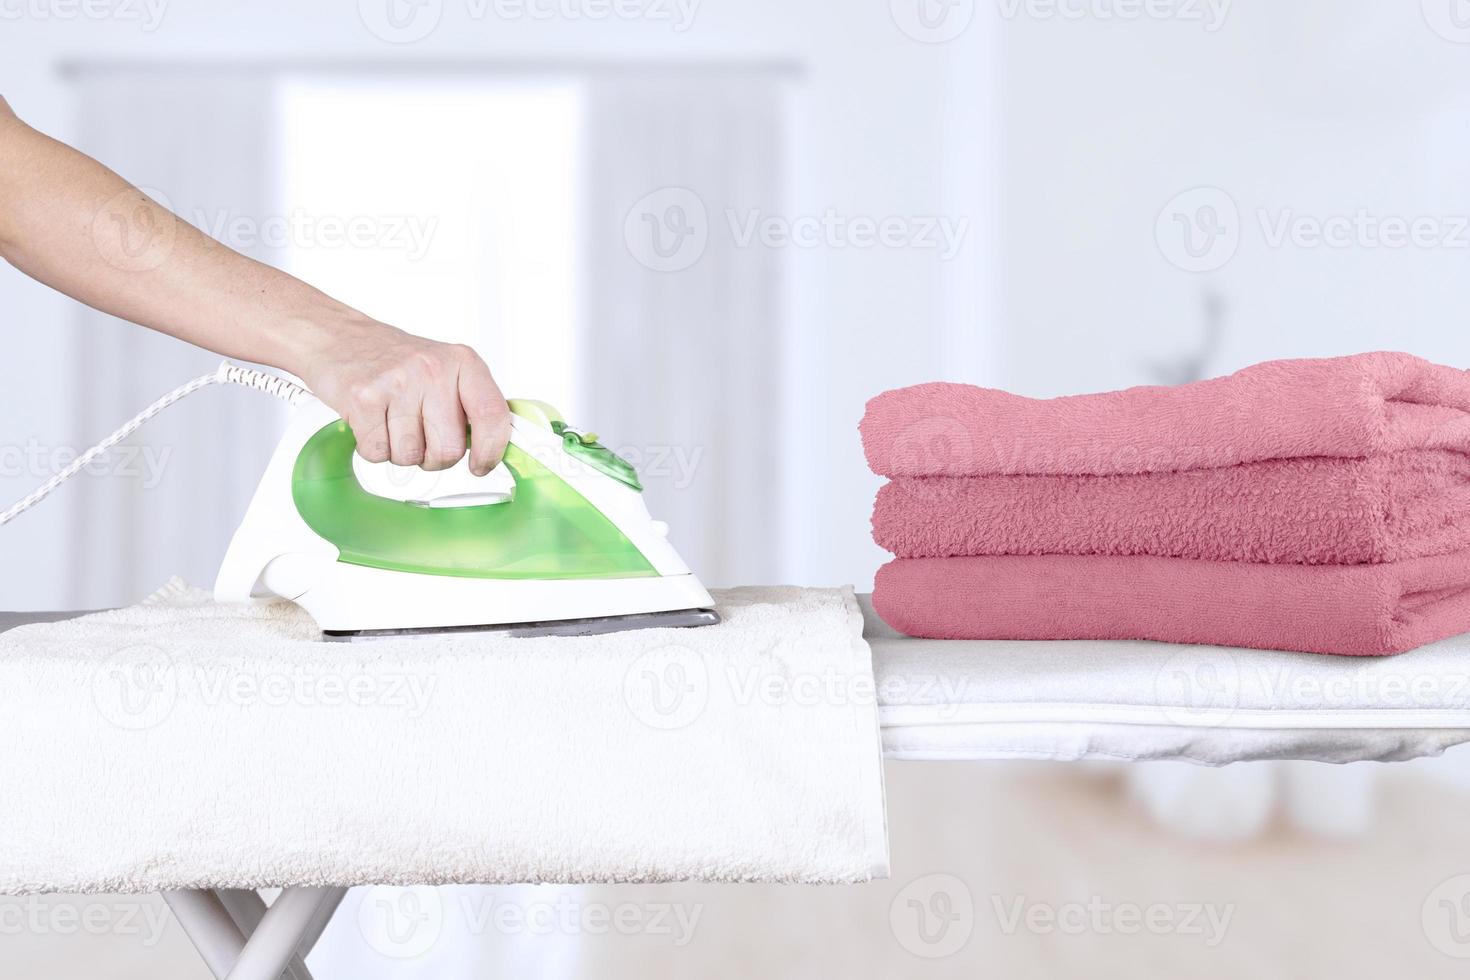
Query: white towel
point(1135, 700)
point(183, 744)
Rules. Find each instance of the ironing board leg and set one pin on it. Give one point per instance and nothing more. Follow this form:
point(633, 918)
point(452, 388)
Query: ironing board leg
point(281, 930)
point(209, 927)
point(247, 908)
point(241, 939)
point(318, 925)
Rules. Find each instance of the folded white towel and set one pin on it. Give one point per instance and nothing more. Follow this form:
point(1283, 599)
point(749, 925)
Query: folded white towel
point(1135, 700)
point(183, 744)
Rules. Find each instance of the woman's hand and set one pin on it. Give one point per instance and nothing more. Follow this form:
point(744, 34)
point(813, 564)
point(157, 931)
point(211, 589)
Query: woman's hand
point(406, 398)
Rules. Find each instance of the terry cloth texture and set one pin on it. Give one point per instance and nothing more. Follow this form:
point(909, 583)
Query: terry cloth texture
point(182, 743)
point(1347, 407)
point(1347, 609)
point(1310, 511)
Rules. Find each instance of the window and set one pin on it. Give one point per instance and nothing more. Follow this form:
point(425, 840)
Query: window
point(448, 207)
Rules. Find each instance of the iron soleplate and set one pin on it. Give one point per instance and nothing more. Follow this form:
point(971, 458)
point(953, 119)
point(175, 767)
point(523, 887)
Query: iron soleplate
point(592, 626)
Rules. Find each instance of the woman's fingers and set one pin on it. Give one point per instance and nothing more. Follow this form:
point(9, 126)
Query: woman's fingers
point(406, 440)
point(444, 427)
point(485, 409)
point(367, 414)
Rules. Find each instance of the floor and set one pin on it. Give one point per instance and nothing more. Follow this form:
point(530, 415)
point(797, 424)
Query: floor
point(1024, 870)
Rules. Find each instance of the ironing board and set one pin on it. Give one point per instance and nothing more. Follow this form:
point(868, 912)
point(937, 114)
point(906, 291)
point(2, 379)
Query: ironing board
point(987, 700)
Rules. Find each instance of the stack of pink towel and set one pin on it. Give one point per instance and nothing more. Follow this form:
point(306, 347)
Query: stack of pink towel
point(1317, 505)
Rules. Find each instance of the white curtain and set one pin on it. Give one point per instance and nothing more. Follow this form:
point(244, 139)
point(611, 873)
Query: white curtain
point(168, 501)
point(681, 356)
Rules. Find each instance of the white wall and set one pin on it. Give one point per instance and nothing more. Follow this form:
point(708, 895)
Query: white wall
point(1319, 107)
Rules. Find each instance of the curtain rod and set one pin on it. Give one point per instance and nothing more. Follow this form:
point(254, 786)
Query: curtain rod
point(71, 67)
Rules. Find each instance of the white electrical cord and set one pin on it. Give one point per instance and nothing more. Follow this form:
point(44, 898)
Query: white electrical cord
point(226, 373)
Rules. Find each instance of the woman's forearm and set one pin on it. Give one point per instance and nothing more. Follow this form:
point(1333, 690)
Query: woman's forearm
point(71, 223)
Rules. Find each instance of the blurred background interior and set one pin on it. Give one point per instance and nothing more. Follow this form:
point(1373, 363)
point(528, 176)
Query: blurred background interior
point(710, 231)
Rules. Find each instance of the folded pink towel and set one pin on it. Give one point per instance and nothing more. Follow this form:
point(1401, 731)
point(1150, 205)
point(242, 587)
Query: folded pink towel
point(1311, 511)
point(1346, 407)
point(1350, 609)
